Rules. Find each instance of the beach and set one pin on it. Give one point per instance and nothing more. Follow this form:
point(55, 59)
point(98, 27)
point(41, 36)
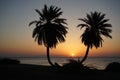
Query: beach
point(39, 72)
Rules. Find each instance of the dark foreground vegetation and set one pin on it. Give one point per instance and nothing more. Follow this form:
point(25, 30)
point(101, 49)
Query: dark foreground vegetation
point(9, 61)
point(69, 71)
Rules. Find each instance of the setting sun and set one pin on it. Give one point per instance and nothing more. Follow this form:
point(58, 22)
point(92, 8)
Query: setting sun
point(22, 43)
point(72, 54)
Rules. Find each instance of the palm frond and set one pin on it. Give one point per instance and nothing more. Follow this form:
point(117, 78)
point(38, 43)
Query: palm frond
point(60, 20)
point(89, 19)
point(105, 25)
point(72, 61)
point(33, 22)
point(40, 14)
point(106, 34)
point(82, 25)
point(103, 21)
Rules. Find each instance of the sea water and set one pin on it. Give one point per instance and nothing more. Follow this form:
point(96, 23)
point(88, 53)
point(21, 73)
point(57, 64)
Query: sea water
point(95, 62)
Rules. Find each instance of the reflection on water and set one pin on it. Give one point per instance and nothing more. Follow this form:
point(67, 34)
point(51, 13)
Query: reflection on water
point(96, 62)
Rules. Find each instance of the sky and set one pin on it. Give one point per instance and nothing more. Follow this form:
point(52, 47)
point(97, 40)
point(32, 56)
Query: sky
point(16, 36)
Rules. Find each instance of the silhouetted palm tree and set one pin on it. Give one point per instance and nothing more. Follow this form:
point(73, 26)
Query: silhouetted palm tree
point(49, 28)
point(95, 26)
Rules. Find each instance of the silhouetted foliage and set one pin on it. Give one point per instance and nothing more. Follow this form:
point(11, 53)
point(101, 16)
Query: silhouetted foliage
point(113, 67)
point(75, 66)
point(9, 61)
point(73, 63)
point(95, 26)
point(49, 28)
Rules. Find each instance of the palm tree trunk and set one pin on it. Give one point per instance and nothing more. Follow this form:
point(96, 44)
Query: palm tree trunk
point(48, 57)
point(85, 54)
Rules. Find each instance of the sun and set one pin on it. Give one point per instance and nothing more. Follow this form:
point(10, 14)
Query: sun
point(72, 54)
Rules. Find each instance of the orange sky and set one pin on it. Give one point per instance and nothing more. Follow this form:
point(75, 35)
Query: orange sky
point(16, 37)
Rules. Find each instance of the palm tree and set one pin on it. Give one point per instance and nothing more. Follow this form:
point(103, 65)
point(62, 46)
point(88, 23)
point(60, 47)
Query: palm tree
point(49, 29)
point(95, 26)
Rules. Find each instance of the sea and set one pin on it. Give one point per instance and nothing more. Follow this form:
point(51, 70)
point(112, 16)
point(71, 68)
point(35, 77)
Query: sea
point(93, 62)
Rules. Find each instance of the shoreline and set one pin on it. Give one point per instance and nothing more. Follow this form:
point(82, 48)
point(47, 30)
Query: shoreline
point(99, 63)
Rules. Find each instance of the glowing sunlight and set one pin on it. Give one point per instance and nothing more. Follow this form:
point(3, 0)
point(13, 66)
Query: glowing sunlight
point(73, 54)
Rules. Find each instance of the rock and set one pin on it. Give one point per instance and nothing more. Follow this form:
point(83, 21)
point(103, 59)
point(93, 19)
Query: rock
point(113, 67)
